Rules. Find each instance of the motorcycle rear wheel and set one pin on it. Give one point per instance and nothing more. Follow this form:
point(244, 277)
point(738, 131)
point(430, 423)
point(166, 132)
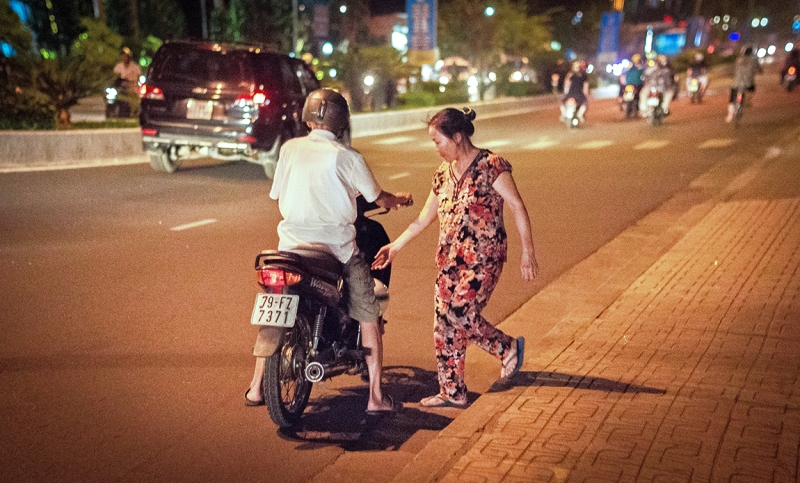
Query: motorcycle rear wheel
point(286, 389)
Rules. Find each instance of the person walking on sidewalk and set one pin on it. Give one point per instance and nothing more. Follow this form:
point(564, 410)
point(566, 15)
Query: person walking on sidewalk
point(468, 192)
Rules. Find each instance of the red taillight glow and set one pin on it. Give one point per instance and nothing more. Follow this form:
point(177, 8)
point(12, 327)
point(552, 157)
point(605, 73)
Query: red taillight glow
point(792, 70)
point(258, 98)
point(151, 92)
point(246, 139)
point(277, 278)
point(149, 132)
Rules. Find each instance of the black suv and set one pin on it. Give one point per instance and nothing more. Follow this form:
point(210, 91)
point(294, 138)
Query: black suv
point(228, 102)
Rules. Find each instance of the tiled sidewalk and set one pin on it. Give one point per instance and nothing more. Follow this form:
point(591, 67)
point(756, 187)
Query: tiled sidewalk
point(693, 374)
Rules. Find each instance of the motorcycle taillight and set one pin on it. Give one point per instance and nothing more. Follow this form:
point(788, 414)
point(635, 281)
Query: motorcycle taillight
point(270, 277)
point(792, 70)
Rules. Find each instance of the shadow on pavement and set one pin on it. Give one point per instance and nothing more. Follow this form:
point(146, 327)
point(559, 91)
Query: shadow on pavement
point(559, 379)
point(339, 419)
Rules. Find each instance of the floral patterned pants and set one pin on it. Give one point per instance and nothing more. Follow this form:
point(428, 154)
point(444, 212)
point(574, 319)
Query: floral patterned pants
point(461, 293)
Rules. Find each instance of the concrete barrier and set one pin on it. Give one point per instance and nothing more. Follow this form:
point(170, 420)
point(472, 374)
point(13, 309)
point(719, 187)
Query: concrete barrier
point(93, 147)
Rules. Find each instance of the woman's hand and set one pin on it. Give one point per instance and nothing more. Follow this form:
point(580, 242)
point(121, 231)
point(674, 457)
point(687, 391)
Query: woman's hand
point(384, 257)
point(529, 267)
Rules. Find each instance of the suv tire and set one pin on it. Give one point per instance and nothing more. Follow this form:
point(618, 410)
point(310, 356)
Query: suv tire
point(161, 162)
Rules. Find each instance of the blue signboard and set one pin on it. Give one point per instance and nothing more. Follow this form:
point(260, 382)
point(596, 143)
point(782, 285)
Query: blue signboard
point(421, 24)
point(609, 32)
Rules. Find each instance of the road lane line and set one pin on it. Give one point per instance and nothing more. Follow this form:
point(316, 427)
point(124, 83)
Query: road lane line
point(542, 143)
point(395, 140)
point(599, 144)
point(716, 143)
point(652, 144)
point(194, 224)
point(399, 175)
point(496, 143)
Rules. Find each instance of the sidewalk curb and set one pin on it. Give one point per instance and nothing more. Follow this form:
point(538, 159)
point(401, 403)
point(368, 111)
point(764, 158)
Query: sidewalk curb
point(591, 287)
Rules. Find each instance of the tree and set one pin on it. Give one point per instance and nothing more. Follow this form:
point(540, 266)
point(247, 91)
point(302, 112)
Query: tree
point(82, 71)
point(465, 30)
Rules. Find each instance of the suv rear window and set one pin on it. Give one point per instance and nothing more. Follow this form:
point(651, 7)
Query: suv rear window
point(201, 65)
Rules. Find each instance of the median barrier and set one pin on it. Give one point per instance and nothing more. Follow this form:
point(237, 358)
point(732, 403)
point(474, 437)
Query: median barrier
point(95, 147)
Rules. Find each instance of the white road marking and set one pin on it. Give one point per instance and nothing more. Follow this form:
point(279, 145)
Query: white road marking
point(716, 143)
point(496, 143)
point(195, 224)
point(542, 143)
point(396, 140)
point(772, 152)
point(598, 144)
point(652, 144)
point(399, 175)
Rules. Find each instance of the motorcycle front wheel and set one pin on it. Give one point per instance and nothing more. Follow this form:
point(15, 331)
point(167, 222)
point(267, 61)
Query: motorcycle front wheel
point(286, 390)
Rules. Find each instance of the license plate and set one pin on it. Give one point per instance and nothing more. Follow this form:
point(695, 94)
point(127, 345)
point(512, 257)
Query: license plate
point(276, 310)
point(199, 109)
point(627, 97)
point(652, 101)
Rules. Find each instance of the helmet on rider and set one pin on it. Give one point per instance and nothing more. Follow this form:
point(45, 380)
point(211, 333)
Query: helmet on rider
point(329, 108)
point(662, 60)
point(577, 67)
point(698, 57)
point(636, 58)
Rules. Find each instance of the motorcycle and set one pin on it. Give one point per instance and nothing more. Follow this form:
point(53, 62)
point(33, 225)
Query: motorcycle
point(790, 78)
point(654, 105)
point(303, 307)
point(695, 93)
point(630, 101)
point(571, 118)
point(121, 99)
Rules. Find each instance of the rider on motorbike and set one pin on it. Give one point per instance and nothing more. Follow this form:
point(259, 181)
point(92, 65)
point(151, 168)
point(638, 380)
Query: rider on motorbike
point(660, 77)
point(633, 77)
point(316, 183)
point(698, 70)
point(792, 60)
point(576, 86)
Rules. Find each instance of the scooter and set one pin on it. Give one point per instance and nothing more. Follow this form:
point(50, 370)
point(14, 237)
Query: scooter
point(654, 104)
point(120, 96)
point(570, 118)
point(790, 78)
point(630, 101)
point(302, 304)
point(695, 93)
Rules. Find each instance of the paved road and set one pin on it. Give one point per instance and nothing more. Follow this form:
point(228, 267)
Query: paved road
point(124, 343)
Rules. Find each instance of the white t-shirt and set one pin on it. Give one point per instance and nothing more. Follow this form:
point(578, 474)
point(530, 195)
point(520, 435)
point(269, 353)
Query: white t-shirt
point(316, 184)
point(130, 72)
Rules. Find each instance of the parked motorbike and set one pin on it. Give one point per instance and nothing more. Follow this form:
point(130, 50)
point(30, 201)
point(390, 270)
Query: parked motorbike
point(790, 78)
point(121, 99)
point(630, 101)
point(303, 306)
point(654, 105)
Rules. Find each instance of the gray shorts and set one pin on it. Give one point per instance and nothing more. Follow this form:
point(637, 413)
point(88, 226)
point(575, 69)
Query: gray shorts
point(363, 306)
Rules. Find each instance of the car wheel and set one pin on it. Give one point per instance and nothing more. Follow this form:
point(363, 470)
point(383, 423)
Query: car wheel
point(162, 162)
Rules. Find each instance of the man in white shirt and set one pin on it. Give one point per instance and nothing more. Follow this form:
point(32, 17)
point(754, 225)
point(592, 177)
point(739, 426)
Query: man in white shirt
point(126, 69)
point(316, 183)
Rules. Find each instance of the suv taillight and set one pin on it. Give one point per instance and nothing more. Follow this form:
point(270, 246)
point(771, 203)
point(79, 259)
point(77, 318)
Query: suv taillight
point(277, 278)
point(151, 92)
point(258, 99)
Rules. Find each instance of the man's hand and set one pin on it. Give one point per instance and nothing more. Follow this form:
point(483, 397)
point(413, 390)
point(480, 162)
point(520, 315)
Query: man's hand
point(394, 201)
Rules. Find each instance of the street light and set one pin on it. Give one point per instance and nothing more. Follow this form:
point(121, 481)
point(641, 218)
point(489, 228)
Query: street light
point(489, 11)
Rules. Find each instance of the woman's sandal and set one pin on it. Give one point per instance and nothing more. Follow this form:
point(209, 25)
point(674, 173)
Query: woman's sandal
point(519, 355)
point(441, 401)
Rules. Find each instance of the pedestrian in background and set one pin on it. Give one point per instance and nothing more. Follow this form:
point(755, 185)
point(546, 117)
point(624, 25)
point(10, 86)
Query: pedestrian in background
point(468, 193)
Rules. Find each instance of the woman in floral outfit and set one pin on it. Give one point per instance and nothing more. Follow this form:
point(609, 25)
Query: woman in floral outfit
point(469, 190)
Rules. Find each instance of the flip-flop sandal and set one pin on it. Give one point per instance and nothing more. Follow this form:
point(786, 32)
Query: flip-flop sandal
point(520, 358)
point(250, 402)
point(439, 401)
point(396, 407)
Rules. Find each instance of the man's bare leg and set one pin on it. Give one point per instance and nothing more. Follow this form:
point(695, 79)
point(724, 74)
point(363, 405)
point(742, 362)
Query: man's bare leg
point(373, 344)
point(255, 393)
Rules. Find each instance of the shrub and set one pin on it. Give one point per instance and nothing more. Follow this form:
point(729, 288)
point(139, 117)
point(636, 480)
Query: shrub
point(23, 109)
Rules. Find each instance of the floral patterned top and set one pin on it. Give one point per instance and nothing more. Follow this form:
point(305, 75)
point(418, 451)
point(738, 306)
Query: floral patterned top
point(471, 213)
